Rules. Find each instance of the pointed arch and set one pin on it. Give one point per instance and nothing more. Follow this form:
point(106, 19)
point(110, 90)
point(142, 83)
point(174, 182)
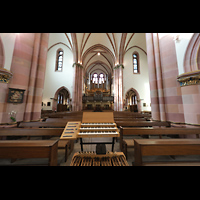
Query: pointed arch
point(2, 56)
point(99, 46)
point(74, 47)
point(192, 55)
point(137, 96)
point(121, 49)
point(54, 104)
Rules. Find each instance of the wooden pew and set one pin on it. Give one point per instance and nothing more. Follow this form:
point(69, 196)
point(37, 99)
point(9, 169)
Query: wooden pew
point(62, 120)
point(152, 147)
point(129, 120)
point(129, 143)
point(65, 114)
point(121, 114)
point(143, 123)
point(29, 132)
point(15, 149)
point(66, 144)
point(148, 123)
point(39, 132)
point(42, 124)
point(132, 131)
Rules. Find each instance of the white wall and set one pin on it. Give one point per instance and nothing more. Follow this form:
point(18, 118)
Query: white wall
point(181, 47)
point(8, 40)
point(54, 79)
point(139, 82)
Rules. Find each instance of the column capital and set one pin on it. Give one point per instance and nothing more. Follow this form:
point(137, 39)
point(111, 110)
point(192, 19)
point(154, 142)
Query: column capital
point(77, 64)
point(118, 66)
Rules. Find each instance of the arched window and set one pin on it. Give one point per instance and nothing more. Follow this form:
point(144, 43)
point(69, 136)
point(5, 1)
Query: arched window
point(136, 67)
point(101, 78)
point(59, 60)
point(95, 78)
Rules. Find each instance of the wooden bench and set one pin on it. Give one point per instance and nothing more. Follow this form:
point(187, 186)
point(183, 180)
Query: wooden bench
point(64, 114)
point(39, 132)
point(132, 131)
point(129, 143)
point(146, 123)
point(15, 149)
point(152, 147)
point(117, 120)
point(62, 120)
point(121, 114)
point(42, 124)
point(62, 144)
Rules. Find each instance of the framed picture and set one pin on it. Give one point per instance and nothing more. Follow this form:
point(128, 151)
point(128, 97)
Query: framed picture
point(15, 95)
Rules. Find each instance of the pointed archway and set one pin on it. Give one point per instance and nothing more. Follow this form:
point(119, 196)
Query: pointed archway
point(132, 97)
point(61, 100)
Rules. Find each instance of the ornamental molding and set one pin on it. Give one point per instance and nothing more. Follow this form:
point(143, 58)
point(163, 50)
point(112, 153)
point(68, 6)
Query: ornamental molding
point(5, 75)
point(118, 66)
point(189, 78)
point(78, 65)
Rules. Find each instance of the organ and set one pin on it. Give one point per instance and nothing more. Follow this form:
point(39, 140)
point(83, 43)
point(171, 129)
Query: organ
point(94, 124)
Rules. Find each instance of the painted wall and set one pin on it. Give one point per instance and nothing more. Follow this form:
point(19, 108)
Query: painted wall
point(54, 79)
point(139, 82)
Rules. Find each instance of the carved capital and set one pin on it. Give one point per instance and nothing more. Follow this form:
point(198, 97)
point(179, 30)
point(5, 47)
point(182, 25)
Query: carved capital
point(5, 75)
point(189, 78)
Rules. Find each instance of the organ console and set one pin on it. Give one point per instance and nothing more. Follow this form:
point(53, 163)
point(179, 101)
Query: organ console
point(92, 159)
point(93, 125)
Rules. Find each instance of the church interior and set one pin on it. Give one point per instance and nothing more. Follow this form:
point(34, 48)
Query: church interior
point(100, 99)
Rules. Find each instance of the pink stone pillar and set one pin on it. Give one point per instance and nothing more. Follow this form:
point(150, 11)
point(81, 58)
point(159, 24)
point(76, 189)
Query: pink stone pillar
point(159, 77)
point(152, 77)
point(79, 100)
point(41, 69)
point(115, 89)
point(77, 92)
point(74, 89)
point(32, 79)
point(120, 70)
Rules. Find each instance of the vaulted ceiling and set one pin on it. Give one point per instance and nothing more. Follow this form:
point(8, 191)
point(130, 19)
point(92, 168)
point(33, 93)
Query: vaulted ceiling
point(102, 50)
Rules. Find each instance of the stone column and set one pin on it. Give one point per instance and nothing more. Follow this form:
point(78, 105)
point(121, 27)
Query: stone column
point(32, 79)
point(116, 89)
point(74, 89)
point(39, 82)
point(152, 77)
point(120, 85)
point(159, 77)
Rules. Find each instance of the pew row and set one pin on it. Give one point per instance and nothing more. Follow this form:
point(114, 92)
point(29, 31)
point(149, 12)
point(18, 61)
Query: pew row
point(128, 143)
point(63, 120)
point(39, 132)
point(159, 131)
point(42, 124)
point(15, 149)
point(120, 120)
point(152, 147)
point(121, 114)
point(143, 123)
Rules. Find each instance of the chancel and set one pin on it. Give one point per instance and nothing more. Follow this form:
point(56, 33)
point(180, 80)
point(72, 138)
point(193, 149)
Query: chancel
point(99, 99)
